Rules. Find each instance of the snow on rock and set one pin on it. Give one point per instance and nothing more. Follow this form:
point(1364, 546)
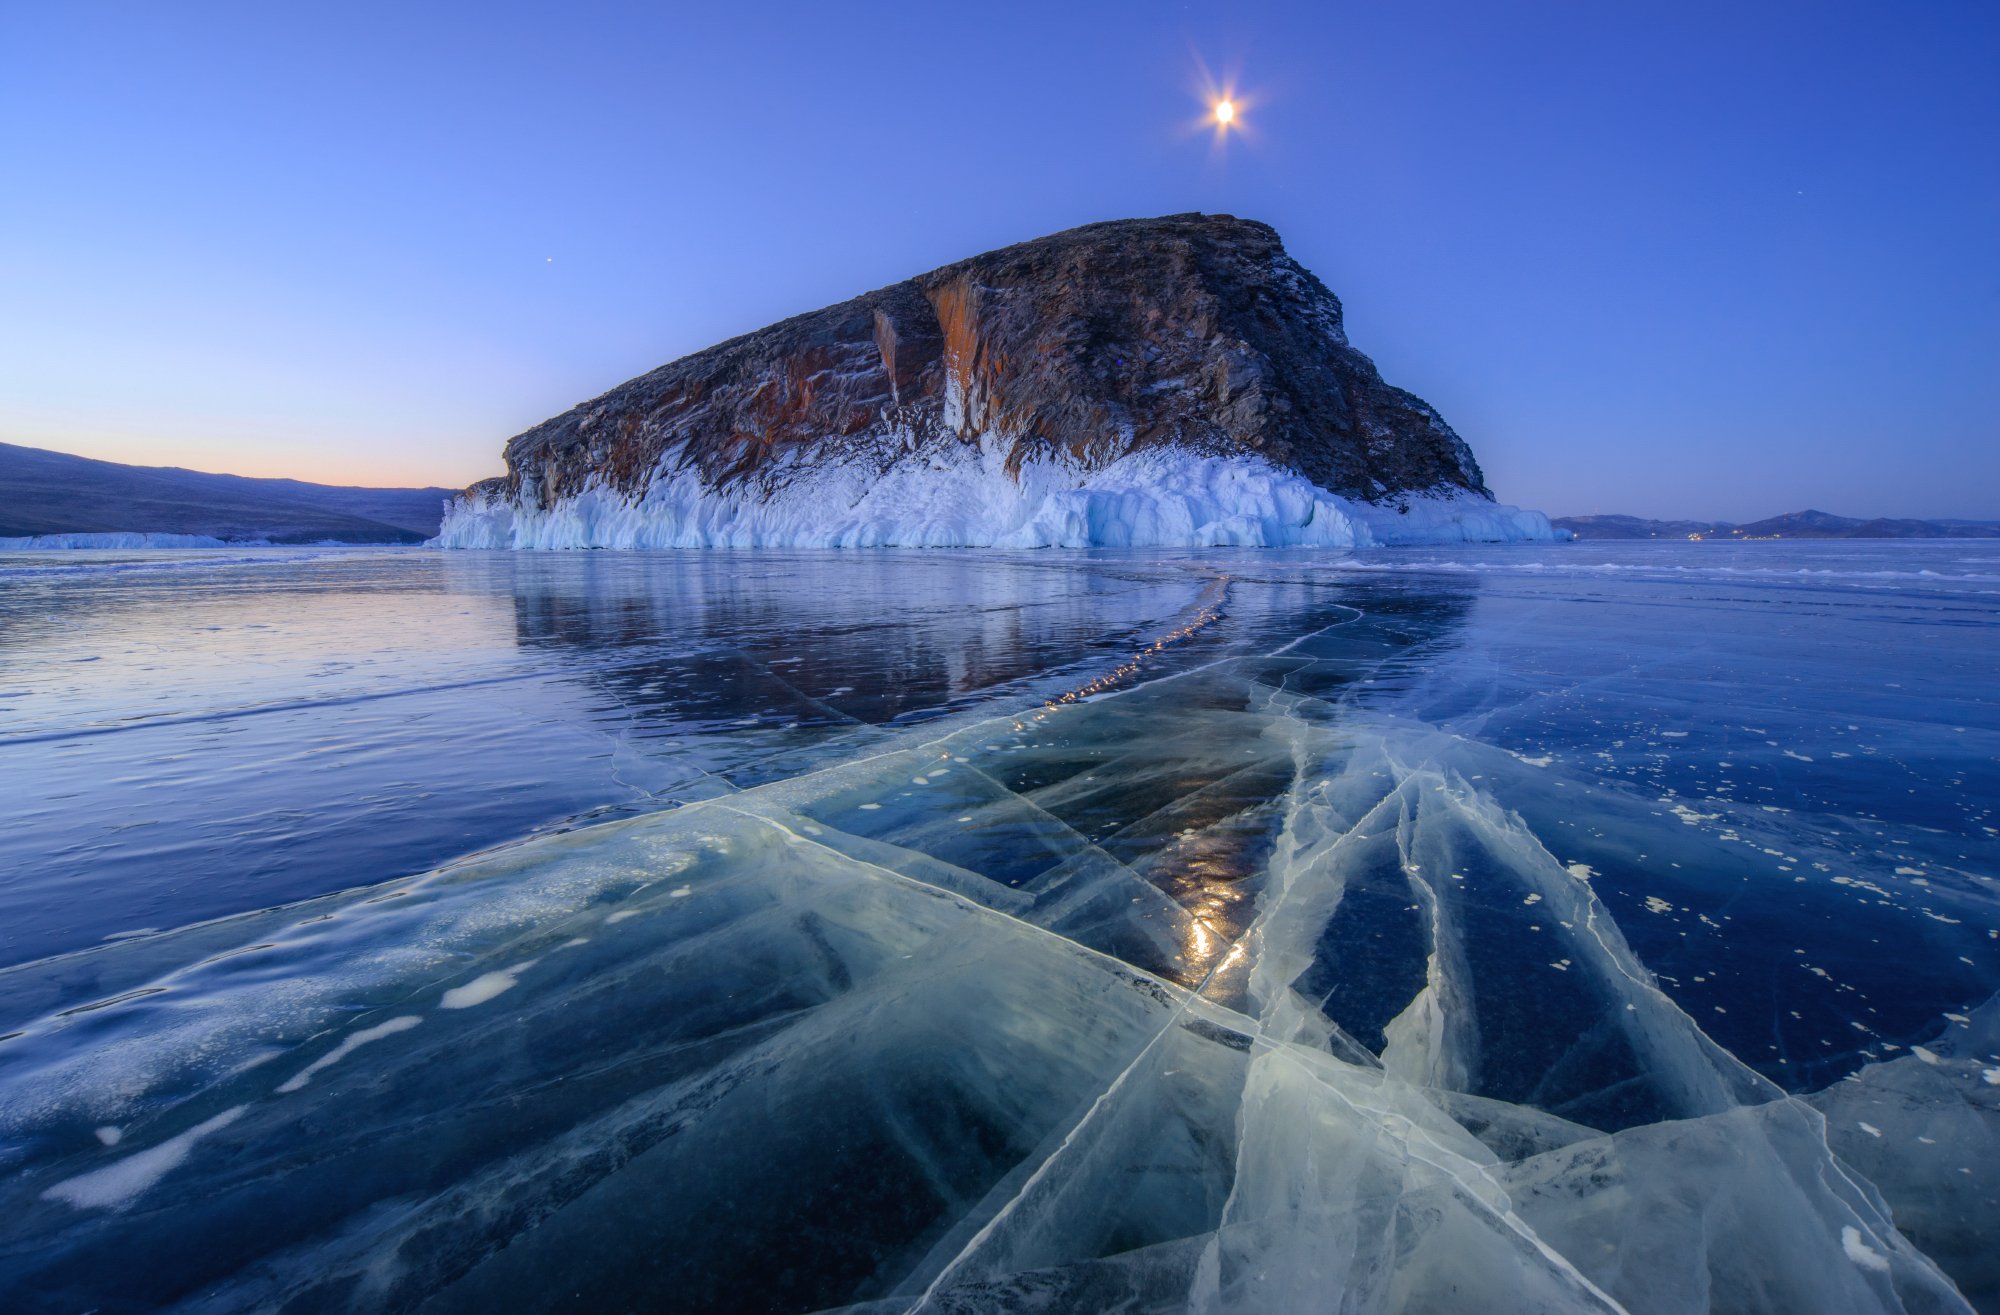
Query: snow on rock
point(1152, 499)
point(1180, 381)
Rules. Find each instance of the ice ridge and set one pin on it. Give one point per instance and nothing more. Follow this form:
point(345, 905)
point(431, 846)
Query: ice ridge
point(967, 497)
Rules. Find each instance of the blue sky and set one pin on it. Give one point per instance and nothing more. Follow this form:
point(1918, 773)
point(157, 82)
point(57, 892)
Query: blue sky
point(1715, 260)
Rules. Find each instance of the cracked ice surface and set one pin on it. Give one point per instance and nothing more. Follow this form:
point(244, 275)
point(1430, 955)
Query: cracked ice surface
point(1262, 965)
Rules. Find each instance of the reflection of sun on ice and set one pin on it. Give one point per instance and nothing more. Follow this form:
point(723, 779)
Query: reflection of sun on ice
point(1225, 112)
point(1200, 947)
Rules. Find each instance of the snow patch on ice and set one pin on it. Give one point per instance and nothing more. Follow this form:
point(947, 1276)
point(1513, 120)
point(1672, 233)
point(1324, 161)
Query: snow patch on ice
point(118, 1185)
point(1860, 1252)
point(484, 987)
point(347, 1047)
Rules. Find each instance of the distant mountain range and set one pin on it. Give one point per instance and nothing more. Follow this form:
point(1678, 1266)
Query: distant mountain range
point(1792, 525)
point(51, 493)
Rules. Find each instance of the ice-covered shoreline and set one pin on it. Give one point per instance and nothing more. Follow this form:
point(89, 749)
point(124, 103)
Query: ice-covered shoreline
point(119, 540)
point(1148, 500)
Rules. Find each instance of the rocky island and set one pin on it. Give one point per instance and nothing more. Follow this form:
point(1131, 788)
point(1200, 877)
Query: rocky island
point(1173, 381)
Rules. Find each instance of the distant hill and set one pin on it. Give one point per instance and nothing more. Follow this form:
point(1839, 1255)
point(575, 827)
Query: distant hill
point(1792, 525)
point(54, 493)
point(1637, 527)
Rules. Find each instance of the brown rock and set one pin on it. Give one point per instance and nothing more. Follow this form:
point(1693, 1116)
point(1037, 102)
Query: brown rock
point(1194, 331)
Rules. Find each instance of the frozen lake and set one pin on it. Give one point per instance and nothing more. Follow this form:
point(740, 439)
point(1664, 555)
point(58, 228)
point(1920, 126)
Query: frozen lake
point(1566, 927)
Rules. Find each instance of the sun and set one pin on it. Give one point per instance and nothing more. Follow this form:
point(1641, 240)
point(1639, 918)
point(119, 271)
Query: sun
point(1228, 108)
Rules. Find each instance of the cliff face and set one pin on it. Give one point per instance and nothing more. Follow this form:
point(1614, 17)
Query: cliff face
point(1193, 330)
point(1189, 339)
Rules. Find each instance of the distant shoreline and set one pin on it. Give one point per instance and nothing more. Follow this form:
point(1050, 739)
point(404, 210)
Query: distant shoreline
point(1791, 526)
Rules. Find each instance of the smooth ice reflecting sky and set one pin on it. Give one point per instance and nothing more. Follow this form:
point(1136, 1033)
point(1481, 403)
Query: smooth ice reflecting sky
point(1411, 922)
point(1704, 260)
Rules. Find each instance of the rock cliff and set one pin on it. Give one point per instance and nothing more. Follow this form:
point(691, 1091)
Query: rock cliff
point(1141, 381)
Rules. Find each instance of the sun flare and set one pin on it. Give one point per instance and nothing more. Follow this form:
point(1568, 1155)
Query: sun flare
point(1225, 112)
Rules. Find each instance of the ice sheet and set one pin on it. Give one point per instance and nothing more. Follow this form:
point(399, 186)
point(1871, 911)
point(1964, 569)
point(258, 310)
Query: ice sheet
point(1300, 953)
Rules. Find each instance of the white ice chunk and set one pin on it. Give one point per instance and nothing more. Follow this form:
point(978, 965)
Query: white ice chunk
point(969, 497)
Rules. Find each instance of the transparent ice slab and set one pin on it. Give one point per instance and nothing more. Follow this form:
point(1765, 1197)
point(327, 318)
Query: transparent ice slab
point(1237, 989)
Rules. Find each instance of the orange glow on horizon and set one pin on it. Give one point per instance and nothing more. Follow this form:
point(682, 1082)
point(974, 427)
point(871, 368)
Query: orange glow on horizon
point(309, 461)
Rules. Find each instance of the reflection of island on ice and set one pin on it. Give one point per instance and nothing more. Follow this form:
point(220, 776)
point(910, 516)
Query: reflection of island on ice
point(1228, 987)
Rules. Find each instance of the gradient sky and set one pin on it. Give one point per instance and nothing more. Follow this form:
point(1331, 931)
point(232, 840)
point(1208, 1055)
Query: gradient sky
point(1712, 260)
